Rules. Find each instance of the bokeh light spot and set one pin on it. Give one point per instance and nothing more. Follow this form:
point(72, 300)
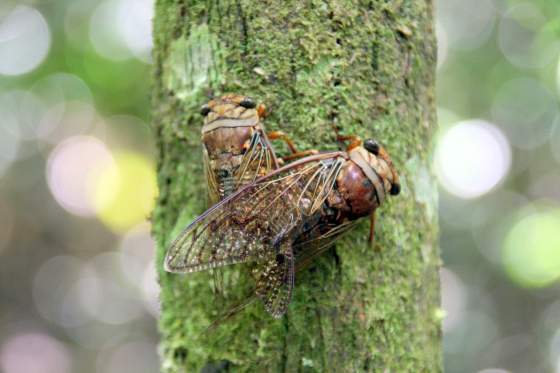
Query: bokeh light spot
point(467, 24)
point(558, 76)
point(109, 298)
point(60, 87)
point(137, 250)
point(54, 291)
point(135, 26)
point(7, 219)
point(34, 353)
point(120, 29)
point(526, 111)
point(72, 169)
point(138, 356)
point(125, 192)
point(523, 38)
point(104, 32)
point(555, 141)
point(65, 120)
point(530, 251)
point(24, 41)
point(150, 290)
point(453, 299)
point(21, 113)
point(472, 158)
point(9, 143)
point(137, 261)
point(442, 44)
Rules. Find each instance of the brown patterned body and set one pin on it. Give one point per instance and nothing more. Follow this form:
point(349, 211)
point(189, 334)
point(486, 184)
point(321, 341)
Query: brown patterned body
point(236, 149)
point(355, 195)
point(286, 218)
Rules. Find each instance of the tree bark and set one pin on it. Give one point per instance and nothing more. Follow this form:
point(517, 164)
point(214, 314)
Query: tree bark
point(367, 66)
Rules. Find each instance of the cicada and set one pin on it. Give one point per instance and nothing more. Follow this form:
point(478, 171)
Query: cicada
point(236, 149)
point(289, 215)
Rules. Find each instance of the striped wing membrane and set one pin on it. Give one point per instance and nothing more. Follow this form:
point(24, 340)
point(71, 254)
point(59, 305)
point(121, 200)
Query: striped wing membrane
point(251, 224)
point(257, 161)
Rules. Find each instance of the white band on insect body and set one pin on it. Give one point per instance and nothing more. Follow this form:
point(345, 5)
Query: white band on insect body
point(357, 158)
point(231, 123)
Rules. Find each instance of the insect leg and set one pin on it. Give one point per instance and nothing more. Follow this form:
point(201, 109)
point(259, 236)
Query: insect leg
point(261, 111)
point(354, 140)
point(274, 280)
point(280, 135)
point(301, 154)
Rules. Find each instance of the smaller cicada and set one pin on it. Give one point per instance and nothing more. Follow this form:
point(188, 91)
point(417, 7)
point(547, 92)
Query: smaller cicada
point(288, 216)
point(236, 148)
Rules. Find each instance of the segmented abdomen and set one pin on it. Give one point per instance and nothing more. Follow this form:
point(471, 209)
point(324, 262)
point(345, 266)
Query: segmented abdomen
point(226, 185)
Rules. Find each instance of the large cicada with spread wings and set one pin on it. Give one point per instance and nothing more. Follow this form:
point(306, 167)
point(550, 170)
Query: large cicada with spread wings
point(290, 215)
point(236, 148)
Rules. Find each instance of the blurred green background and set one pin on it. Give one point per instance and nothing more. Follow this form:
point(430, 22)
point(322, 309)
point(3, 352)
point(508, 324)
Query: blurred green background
point(77, 182)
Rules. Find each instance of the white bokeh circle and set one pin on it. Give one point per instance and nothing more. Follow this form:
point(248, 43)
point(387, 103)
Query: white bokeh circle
point(25, 40)
point(121, 29)
point(472, 158)
point(71, 169)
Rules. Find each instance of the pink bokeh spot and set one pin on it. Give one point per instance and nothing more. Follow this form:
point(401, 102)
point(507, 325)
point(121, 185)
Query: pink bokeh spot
point(34, 353)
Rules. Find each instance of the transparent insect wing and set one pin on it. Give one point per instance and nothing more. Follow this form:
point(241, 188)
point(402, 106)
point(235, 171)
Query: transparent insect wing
point(257, 161)
point(213, 240)
point(312, 244)
point(237, 151)
point(253, 221)
point(258, 224)
point(275, 281)
point(212, 184)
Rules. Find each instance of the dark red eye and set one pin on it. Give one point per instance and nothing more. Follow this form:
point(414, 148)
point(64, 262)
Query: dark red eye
point(372, 146)
point(204, 110)
point(248, 103)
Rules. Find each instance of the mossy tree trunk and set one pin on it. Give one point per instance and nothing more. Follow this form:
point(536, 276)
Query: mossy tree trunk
point(367, 66)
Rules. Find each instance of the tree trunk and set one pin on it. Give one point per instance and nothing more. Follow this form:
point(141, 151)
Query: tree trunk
point(367, 66)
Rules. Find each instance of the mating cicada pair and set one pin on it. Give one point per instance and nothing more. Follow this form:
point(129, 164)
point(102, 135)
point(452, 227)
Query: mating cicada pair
point(280, 218)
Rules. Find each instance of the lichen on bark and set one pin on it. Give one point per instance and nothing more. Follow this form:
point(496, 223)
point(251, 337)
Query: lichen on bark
point(368, 67)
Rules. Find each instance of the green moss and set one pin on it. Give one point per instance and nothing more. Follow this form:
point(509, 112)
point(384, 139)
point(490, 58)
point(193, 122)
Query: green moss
point(193, 63)
point(367, 67)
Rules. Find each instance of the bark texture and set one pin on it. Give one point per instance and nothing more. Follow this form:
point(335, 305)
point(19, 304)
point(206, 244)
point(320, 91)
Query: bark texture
point(367, 66)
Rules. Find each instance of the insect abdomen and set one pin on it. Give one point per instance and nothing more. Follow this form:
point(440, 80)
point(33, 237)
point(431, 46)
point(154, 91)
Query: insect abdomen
point(227, 186)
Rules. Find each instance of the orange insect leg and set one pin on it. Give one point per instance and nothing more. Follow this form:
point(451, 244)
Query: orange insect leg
point(302, 154)
point(354, 140)
point(280, 135)
point(261, 111)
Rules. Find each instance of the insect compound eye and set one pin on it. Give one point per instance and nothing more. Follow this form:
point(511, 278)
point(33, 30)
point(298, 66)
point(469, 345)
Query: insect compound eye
point(248, 103)
point(204, 110)
point(395, 189)
point(372, 146)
